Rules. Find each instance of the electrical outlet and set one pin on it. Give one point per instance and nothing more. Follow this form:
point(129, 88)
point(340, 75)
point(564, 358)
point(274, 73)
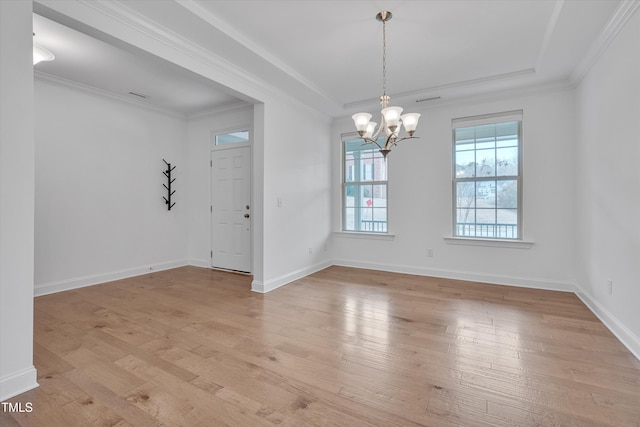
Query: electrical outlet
point(310, 251)
point(429, 252)
point(609, 286)
point(279, 201)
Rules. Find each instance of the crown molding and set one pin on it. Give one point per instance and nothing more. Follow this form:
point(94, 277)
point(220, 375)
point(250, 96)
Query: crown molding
point(50, 79)
point(221, 25)
point(551, 26)
point(123, 14)
point(617, 22)
point(246, 85)
point(219, 110)
point(440, 91)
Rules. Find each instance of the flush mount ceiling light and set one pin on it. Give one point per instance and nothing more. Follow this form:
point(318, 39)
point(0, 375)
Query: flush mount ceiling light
point(41, 54)
point(391, 117)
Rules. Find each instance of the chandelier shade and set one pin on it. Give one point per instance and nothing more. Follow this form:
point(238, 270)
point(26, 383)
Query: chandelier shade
point(392, 119)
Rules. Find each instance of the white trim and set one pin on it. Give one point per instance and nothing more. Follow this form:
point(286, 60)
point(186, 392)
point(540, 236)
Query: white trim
point(487, 119)
point(551, 26)
point(81, 282)
point(204, 263)
point(494, 279)
point(18, 382)
point(269, 285)
point(496, 243)
point(52, 80)
point(436, 90)
point(219, 110)
point(221, 25)
point(617, 22)
point(364, 235)
point(624, 334)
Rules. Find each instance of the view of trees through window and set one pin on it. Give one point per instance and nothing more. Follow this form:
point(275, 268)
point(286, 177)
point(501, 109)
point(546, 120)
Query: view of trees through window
point(364, 188)
point(486, 181)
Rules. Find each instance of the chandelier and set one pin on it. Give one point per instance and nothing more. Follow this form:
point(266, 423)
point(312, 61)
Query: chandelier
point(391, 117)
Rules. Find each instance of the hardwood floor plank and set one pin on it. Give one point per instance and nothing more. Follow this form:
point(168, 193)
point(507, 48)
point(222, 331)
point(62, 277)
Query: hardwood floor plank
point(344, 346)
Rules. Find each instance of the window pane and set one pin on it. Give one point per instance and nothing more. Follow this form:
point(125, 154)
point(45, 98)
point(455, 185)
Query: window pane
point(349, 219)
point(507, 193)
point(507, 161)
point(485, 162)
point(485, 216)
point(465, 135)
point(379, 196)
point(486, 134)
point(465, 194)
point(351, 195)
point(507, 216)
point(507, 131)
point(465, 164)
point(232, 137)
point(348, 170)
point(486, 194)
point(466, 216)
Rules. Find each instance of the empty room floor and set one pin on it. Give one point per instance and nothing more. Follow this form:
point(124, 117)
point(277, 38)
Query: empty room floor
point(341, 347)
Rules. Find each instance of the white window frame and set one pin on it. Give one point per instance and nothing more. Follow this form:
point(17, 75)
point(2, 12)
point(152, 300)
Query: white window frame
point(464, 122)
point(357, 169)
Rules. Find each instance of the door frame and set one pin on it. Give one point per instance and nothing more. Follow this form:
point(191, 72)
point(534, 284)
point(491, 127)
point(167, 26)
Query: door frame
point(213, 148)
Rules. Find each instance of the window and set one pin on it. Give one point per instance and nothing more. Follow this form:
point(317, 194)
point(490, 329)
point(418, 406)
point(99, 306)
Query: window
point(232, 137)
point(364, 188)
point(487, 194)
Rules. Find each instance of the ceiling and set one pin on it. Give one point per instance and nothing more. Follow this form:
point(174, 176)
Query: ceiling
point(435, 48)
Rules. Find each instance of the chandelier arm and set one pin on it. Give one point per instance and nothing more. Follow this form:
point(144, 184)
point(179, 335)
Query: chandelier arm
point(395, 142)
point(371, 141)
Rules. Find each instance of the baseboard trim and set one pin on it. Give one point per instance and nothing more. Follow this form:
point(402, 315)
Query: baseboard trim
point(624, 335)
point(81, 282)
point(495, 279)
point(200, 263)
point(18, 383)
point(269, 285)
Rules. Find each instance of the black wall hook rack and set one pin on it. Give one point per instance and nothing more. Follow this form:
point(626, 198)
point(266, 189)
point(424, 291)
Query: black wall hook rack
point(167, 173)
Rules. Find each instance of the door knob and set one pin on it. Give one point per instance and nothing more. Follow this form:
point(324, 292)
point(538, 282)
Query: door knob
point(246, 215)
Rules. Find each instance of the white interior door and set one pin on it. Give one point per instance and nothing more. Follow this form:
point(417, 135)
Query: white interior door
point(230, 209)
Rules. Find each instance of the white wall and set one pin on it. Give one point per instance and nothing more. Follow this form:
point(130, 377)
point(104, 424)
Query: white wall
point(200, 131)
point(297, 170)
point(291, 142)
point(286, 166)
point(17, 373)
point(608, 194)
point(100, 212)
point(420, 199)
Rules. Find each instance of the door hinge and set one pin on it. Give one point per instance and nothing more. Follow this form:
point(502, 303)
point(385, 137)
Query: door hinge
point(211, 208)
point(210, 163)
point(211, 254)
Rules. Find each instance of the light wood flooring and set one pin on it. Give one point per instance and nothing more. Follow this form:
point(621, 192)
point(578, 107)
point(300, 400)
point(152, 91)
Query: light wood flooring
point(342, 347)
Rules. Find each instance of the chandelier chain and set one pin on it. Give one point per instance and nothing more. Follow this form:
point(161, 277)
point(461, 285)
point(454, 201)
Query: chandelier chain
point(384, 58)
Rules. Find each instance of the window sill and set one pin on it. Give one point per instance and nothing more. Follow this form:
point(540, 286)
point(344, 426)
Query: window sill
point(365, 235)
point(496, 243)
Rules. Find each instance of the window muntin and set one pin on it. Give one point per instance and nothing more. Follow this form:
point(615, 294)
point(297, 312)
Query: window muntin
point(364, 187)
point(487, 177)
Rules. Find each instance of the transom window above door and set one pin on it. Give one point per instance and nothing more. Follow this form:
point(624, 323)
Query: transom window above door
point(232, 137)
